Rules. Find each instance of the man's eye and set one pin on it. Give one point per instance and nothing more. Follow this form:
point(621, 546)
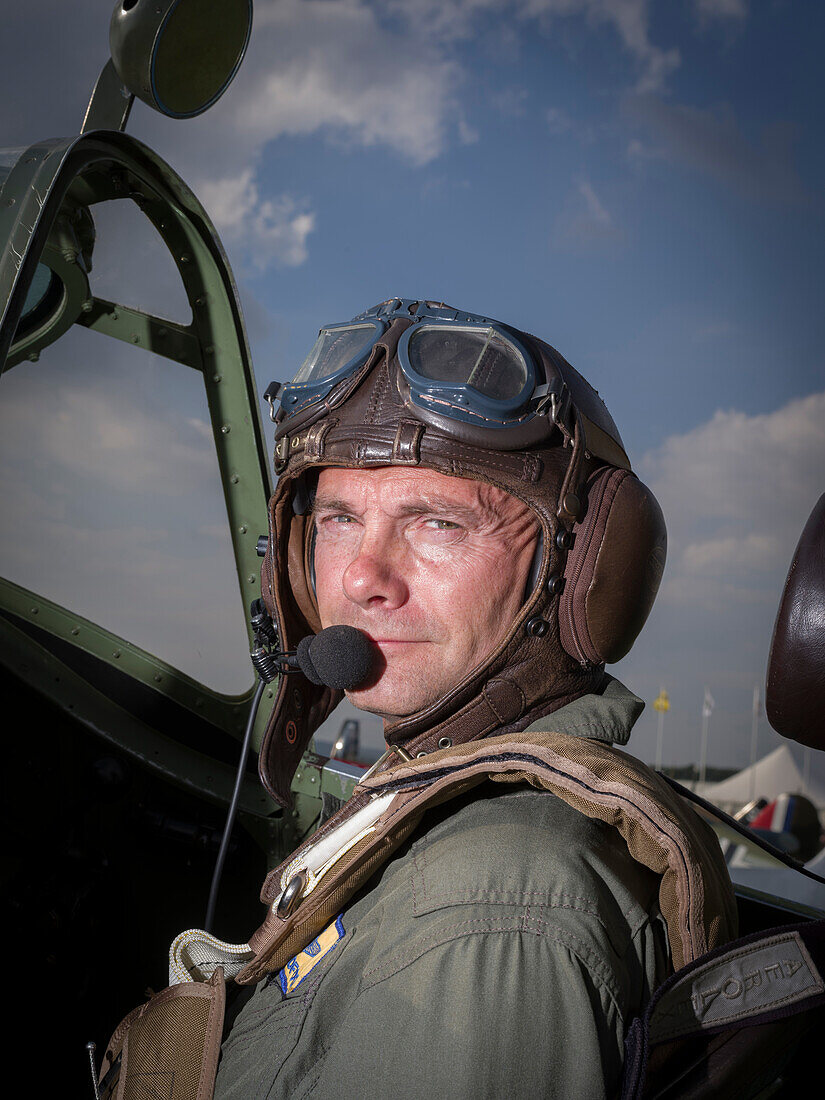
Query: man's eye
point(444, 525)
point(338, 520)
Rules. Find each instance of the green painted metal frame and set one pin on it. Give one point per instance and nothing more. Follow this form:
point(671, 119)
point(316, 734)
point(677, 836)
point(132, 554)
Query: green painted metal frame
point(101, 166)
point(79, 172)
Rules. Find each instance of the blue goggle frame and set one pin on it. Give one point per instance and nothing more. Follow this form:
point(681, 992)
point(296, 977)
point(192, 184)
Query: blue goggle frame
point(460, 401)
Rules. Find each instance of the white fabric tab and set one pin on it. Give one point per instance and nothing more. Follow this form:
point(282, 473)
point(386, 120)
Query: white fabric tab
point(195, 954)
point(318, 859)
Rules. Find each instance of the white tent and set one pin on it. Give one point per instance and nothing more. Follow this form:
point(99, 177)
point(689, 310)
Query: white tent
point(775, 774)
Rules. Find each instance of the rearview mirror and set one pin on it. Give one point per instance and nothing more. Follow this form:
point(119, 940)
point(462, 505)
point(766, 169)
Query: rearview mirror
point(179, 56)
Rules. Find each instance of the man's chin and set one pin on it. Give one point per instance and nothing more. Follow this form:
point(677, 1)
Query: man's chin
point(365, 700)
point(388, 703)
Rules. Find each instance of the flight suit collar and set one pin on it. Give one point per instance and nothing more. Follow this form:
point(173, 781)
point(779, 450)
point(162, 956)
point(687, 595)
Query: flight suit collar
point(608, 715)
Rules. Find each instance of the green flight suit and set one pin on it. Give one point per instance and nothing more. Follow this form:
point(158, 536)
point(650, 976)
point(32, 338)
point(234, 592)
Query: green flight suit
point(502, 952)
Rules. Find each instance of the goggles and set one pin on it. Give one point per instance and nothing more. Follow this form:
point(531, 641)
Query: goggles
point(464, 373)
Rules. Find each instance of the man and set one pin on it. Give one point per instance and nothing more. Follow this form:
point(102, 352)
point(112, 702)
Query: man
point(499, 898)
point(432, 568)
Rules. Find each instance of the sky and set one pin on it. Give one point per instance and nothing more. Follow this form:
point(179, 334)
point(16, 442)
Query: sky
point(638, 182)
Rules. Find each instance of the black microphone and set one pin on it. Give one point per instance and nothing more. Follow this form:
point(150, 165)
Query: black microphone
point(339, 657)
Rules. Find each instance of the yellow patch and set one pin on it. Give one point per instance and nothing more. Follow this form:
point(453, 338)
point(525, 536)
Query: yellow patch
point(305, 961)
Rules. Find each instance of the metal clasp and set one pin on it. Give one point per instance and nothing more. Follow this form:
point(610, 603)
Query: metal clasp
point(292, 894)
point(396, 750)
point(555, 396)
point(272, 395)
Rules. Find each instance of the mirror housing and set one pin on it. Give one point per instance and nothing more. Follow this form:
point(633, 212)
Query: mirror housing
point(179, 56)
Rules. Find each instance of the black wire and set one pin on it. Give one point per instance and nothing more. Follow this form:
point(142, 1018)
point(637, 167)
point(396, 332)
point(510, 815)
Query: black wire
point(737, 826)
point(232, 811)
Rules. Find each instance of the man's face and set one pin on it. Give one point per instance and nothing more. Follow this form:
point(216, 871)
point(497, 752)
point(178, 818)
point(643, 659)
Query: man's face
point(432, 568)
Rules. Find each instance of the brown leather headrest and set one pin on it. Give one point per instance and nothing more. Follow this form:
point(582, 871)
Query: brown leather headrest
point(795, 696)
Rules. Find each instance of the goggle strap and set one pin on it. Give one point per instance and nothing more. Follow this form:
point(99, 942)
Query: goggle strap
point(555, 397)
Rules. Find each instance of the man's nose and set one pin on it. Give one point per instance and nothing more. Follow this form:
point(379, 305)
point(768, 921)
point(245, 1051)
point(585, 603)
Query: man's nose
point(376, 577)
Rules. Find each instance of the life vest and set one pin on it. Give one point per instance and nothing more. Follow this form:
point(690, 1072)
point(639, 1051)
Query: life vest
point(176, 1035)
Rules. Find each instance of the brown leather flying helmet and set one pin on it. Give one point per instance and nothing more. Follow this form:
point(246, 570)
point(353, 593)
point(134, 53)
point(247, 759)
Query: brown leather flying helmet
point(417, 383)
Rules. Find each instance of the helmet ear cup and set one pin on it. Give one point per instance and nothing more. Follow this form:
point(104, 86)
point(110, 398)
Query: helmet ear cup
point(613, 569)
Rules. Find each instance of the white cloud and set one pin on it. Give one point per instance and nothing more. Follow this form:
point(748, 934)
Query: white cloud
point(113, 507)
point(123, 448)
point(629, 19)
point(511, 102)
point(337, 69)
point(266, 230)
point(736, 492)
point(558, 120)
point(638, 152)
point(722, 9)
point(384, 73)
point(595, 209)
point(585, 221)
point(731, 554)
point(201, 428)
point(109, 439)
point(467, 134)
point(363, 74)
point(336, 65)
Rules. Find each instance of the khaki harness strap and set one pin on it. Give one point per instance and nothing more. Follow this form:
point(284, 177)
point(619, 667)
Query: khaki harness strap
point(174, 1039)
point(696, 898)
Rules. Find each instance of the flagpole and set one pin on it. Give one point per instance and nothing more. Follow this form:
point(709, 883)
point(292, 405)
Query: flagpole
point(660, 704)
point(707, 706)
point(703, 750)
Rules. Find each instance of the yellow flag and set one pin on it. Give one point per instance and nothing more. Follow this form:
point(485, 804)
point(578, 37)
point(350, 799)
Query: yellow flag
point(661, 703)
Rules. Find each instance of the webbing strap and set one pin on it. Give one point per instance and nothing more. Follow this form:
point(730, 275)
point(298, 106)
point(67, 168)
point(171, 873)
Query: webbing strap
point(195, 954)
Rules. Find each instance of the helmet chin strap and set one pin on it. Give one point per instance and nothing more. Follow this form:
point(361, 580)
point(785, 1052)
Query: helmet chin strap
point(535, 568)
point(311, 562)
point(569, 504)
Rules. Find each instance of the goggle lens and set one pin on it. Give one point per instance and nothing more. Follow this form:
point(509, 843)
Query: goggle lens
point(481, 358)
point(336, 348)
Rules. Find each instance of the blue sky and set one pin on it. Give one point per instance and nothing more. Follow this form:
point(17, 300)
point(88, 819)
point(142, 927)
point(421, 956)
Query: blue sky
point(638, 182)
